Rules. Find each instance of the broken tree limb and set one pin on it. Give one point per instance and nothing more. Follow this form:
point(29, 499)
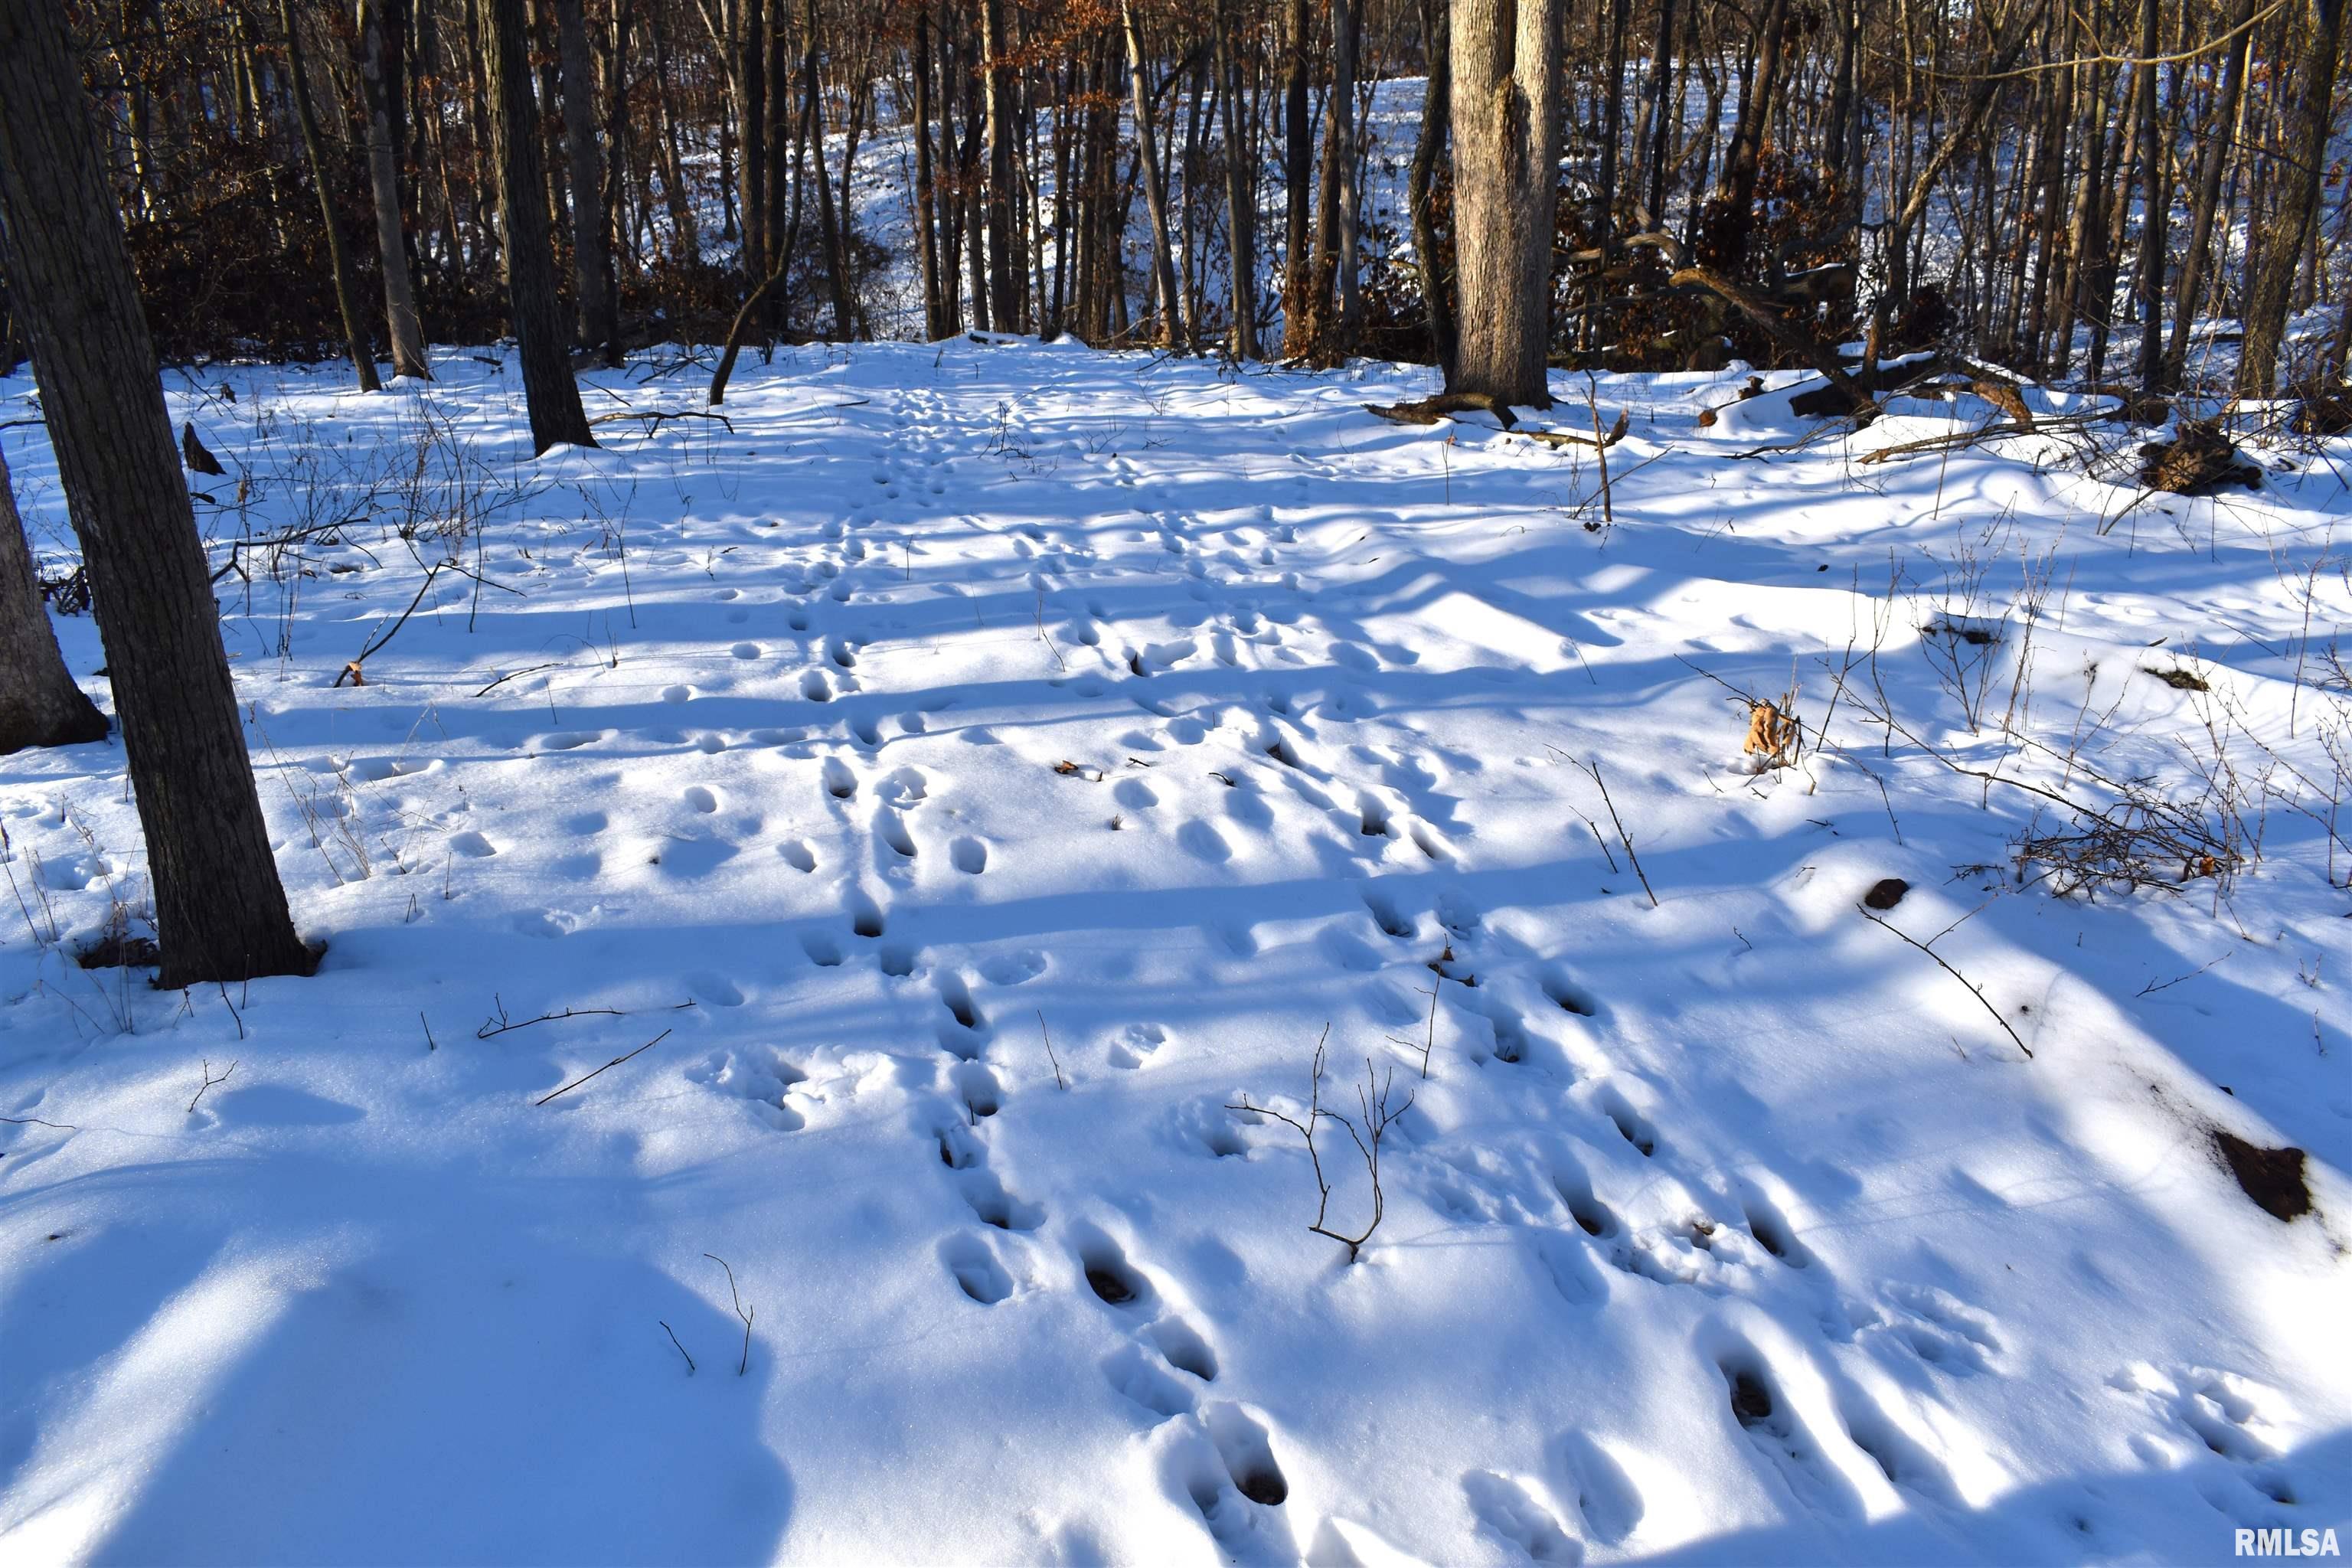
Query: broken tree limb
point(1791, 338)
point(1444, 405)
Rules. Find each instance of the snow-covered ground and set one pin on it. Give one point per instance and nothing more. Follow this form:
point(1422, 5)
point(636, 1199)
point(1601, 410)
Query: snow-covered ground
point(963, 780)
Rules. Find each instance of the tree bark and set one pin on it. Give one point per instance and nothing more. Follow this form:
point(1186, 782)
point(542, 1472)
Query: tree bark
point(39, 703)
point(1736, 196)
point(1174, 329)
point(752, 75)
point(2155, 200)
point(1421, 180)
point(1004, 275)
point(402, 324)
point(1240, 193)
point(829, 225)
point(592, 244)
point(2190, 289)
point(220, 911)
point(2273, 286)
point(532, 306)
point(1299, 192)
point(1506, 61)
point(339, 261)
point(927, 229)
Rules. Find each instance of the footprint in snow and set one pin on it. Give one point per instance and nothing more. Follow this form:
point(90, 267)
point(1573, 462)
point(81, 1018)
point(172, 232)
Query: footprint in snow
point(975, 1269)
point(1505, 1508)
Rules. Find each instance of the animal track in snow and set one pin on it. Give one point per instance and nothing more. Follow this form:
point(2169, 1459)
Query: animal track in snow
point(1137, 1045)
point(1138, 1376)
point(975, 1269)
point(982, 1096)
point(1109, 1275)
point(1761, 1408)
point(992, 1205)
point(1243, 1445)
point(1505, 1508)
point(1631, 1124)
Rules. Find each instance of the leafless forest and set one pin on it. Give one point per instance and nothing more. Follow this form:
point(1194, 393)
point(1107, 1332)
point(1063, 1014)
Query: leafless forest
point(2064, 190)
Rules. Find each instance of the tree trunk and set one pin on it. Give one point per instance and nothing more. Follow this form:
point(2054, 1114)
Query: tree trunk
point(220, 911)
point(1240, 193)
point(1297, 172)
point(592, 243)
point(1506, 114)
point(381, 93)
point(2273, 286)
point(1736, 196)
point(1004, 274)
point(1173, 330)
point(39, 703)
point(1421, 180)
point(836, 265)
point(752, 73)
point(533, 309)
point(2189, 293)
point(927, 231)
point(337, 261)
point(2155, 199)
point(1347, 51)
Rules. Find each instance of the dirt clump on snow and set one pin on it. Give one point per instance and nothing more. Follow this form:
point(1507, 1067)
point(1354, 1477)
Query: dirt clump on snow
point(2273, 1178)
point(2198, 461)
point(1886, 893)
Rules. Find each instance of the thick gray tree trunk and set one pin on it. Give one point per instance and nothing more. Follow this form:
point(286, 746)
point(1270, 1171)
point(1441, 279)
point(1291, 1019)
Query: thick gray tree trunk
point(39, 703)
point(401, 322)
point(1506, 118)
point(220, 911)
point(537, 314)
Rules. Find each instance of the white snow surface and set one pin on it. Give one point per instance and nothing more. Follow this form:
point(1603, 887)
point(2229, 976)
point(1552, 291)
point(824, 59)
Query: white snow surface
point(962, 697)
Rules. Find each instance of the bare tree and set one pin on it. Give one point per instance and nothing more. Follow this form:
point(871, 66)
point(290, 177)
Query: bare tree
point(536, 313)
point(2270, 291)
point(1175, 331)
point(403, 326)
point(339, 260)
point(220, 911)
point(39, 703)
point(592, 247)
point(1506, 59)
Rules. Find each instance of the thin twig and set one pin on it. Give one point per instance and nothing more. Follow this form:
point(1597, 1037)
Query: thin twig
point(209, 1081)
point(1593, 767)
point(741, 1310)
point(1982, 1000)
point(616, 1061)
point(527, 669)
point(1050, 1057)
point(681, 1348)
